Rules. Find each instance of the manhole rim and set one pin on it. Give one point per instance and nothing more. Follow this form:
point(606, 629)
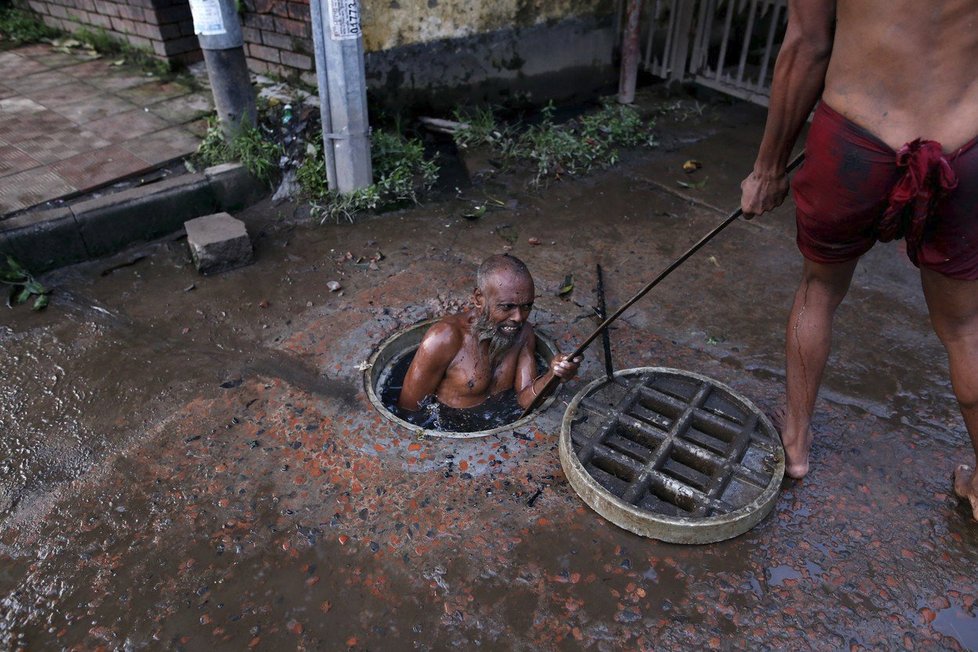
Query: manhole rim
point(543, 341)
point(661, 527)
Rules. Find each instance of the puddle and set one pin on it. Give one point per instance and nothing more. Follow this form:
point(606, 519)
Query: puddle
point(959, 625)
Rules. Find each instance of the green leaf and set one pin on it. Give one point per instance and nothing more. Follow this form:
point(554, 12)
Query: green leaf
point(40, 303)
point(34, 287)
point(21, 295)
point(567, 287)
point(476, 212)
point(9, 276)
point(697, 185)
point(12, 264)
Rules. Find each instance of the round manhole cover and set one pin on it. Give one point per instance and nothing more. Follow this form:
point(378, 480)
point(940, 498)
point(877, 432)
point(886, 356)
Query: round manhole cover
point(671, 455)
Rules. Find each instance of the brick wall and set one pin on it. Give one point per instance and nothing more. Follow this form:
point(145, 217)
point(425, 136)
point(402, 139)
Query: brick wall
point(278, 38)
point(164, 27)
point(277, 33)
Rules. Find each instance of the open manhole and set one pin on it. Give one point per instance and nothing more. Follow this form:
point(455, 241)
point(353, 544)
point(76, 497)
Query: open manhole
point(388, 365)
point(671, 455)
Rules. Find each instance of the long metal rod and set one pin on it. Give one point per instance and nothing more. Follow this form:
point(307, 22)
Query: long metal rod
point(609, 369)
point(645, 290)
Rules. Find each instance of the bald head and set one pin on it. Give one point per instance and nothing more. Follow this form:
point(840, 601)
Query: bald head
point(501, 265)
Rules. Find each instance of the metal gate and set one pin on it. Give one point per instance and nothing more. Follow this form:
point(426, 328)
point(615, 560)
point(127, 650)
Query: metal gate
point(727, 45)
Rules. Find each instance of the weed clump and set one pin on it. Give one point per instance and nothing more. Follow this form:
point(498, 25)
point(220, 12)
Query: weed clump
point(259, 153)
point(20, 27)
point(575, 147)
point(400, 170)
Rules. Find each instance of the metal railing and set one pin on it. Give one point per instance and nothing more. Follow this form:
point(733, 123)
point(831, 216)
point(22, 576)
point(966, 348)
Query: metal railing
point(727, 45)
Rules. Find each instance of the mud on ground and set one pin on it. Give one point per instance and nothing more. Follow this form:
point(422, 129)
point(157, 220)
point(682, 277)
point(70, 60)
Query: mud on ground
point(192, 463)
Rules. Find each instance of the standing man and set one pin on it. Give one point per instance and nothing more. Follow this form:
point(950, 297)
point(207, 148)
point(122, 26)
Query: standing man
point(891, 153)
point(465, 359)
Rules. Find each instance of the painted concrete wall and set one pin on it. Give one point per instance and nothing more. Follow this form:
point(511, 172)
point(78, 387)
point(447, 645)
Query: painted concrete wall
point(393, 23)
point(439, 53)
point(418, 51)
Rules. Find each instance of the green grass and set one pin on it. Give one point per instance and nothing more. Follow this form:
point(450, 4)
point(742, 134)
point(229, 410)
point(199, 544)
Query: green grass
point(554, 150)
point(21, 27)
point(260, 155)
point(401, 175)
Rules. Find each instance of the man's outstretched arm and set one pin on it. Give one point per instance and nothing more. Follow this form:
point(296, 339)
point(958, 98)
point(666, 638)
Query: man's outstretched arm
point(527, 384)
point(799, 76)
point(436, 352)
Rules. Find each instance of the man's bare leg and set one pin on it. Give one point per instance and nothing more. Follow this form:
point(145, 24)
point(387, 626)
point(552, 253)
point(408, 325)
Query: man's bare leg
point(953, 307)
point(807, 344)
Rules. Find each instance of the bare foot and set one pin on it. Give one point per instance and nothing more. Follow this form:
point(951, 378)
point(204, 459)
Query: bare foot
point(796, 449)
point(966, 487)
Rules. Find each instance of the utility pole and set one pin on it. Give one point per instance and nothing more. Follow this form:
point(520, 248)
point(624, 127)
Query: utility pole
point(219, 32)
point(629, 53)
point(338, 42)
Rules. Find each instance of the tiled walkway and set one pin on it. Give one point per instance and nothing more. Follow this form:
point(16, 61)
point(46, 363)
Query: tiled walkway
point(69, 123)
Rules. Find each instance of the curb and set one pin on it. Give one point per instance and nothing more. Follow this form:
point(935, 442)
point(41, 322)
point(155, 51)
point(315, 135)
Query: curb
point(47, 239)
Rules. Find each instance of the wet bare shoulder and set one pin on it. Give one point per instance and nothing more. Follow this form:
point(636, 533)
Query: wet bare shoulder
point(445, 337)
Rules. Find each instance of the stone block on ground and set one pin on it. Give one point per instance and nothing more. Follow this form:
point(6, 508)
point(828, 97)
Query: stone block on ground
point(218, 243)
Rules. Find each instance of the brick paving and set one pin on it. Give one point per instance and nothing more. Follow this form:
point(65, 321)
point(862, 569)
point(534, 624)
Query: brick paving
point(70, 124)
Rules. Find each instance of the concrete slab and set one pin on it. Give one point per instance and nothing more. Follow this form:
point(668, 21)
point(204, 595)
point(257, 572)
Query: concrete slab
point(71, 91)
point(109, 223)
point(95, 108)
point(163, 145)
point(74, 129)
point(43, 240)
point(62, 144)
point(24, 189)
point(128, 126)
point(152, 92)
point(184, 109)
point(218, 243)
point(13, 158)
point(93, 168)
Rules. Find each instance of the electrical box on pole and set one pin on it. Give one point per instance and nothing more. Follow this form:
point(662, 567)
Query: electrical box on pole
point(342, 93)
point(219, 32)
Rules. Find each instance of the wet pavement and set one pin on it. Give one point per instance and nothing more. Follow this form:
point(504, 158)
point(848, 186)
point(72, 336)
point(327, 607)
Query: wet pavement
point(71, 121)
point(192, 463)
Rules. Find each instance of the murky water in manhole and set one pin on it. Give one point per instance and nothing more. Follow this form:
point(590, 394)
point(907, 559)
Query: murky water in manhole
point(497, 411)
point(389, 365)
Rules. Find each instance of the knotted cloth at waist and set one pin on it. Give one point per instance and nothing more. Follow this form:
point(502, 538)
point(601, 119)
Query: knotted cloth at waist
point(927, 178)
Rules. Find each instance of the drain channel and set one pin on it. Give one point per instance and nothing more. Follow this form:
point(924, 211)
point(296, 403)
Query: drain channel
point(671, 455)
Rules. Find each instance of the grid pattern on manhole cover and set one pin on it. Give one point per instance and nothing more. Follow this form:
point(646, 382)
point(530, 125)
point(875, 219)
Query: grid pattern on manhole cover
point(675, 444)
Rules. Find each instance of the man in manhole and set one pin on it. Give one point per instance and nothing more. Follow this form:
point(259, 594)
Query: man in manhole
point(892, 152)
point(467, 358)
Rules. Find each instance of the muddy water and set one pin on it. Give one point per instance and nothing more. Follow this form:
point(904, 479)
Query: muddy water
point(192, 463)
point(496, 411)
